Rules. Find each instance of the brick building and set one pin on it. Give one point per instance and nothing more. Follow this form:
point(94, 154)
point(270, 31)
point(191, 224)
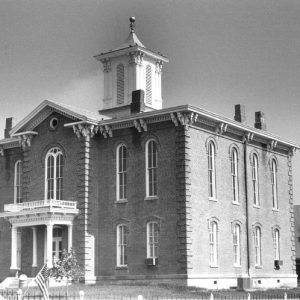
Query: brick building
point(147, 193)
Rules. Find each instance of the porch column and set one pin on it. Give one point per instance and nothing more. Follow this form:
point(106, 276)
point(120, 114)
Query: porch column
point(34, 247)
point(49, 257)
point(14, 239)
point(70, 237)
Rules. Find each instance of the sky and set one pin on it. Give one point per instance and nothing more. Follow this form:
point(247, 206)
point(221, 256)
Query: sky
point(222, 53)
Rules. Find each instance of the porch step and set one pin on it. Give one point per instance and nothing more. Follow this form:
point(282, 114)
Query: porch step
point(10, 283)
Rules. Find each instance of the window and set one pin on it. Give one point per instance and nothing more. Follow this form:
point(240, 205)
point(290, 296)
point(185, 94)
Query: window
point(18, 182)
point(211, 170)
point(237, 245)
point(255, 180)
point(121, 245)
point(276, 245)
point(121, 172)
point(54, 174)
point(148, 84)
point(57, 243)
point(234, 175)
point(257, 245)
point(152, 240)
point(151, 168)
point(274, 184)
point(120, 84)
point(213, 246)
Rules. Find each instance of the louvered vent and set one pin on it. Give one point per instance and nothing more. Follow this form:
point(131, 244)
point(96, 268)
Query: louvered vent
point(148, 85)
point(120, 84)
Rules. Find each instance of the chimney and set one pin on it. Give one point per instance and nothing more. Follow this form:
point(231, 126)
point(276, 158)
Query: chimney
point(137, 104)
point(240, 115)
point(9, 124)
point(260, 122)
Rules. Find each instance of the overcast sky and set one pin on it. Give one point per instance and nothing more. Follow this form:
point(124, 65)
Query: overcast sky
point(221, 53)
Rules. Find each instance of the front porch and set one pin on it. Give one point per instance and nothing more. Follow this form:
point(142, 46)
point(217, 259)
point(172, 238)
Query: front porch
point(40, 230)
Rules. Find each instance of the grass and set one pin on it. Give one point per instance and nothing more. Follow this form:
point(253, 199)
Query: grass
point(107, 290)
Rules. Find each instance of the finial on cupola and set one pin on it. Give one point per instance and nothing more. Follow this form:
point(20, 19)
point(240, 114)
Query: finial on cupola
point(132, 25)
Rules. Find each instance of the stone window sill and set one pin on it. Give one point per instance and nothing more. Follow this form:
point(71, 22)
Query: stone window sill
point(236, 203)
point(214, 266)
point(149, 198)
point(256, 206)
point(121, 267)
point(213, 199)
point(275, 209)
point(121, 201)
point(258, 267)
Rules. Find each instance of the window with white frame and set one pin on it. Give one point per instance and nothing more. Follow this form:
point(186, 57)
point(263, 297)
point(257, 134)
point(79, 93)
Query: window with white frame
point(121, 245)
point(276, 244)
point(234, 175)
point(211, 170)
point(257, 245)
point(148, 84)
point(18, 182)
point(121, 172)
point(120, 83)
point(255, 180)
point(152, 240)
point(54, 174)
point(274, 183)
point(151, 168)
point(213, 243)
point(237, 244)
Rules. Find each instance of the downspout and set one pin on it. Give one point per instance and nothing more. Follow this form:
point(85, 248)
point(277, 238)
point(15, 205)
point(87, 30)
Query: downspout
point(246, 205)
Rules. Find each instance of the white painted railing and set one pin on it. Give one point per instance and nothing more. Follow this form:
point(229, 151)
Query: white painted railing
point(40, 204)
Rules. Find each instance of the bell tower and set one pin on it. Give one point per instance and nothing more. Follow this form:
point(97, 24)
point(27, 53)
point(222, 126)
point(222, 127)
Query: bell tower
point(128, 68)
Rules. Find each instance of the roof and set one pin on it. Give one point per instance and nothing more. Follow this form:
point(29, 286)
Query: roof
point(132, 40)
point(75, 113)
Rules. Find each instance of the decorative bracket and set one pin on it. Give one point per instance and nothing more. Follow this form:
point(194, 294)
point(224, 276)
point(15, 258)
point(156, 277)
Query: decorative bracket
point(221, 128)
point(1, 151)
point(85, 130)
point(184, 119)
point(140, 124)
point(106, 64)
point(272, 145)
point(25, 138)
point(248, 136)
point(292, 151)
point(159, 65)
point(106, 131)
point(136, 58)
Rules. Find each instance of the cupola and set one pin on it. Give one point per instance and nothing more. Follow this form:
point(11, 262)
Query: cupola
point(128, 68)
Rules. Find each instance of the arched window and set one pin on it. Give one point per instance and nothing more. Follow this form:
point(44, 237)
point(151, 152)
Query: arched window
point(54, 174)
point(274, 183)
point(148, 84)
point(120, 84)
point(255, 180)
point(257, 245)
point(213, 243)
point(211, 170)
point(121, 245)
point(152, 240)
point(121, 172)
point(151, 168)
point(237, 244)
point(18, 182)
point(234, 175)
point(276, 244)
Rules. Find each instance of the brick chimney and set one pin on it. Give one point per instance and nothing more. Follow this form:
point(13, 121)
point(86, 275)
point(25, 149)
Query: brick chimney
point(137, 105)
point(9, 124)
point(240, 115)
point(260, 122)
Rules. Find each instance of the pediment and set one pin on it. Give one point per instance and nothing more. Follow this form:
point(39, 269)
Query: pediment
point(46, 108)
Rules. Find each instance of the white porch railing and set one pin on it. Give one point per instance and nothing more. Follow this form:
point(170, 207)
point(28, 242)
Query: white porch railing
point(40, 204)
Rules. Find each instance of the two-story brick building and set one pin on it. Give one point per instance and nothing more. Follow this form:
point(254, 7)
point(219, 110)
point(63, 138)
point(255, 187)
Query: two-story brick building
point(140, 192)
